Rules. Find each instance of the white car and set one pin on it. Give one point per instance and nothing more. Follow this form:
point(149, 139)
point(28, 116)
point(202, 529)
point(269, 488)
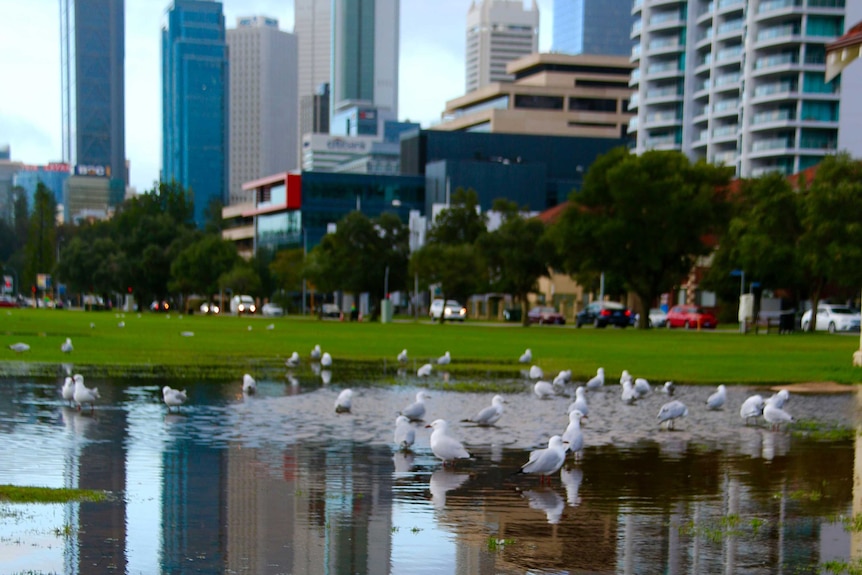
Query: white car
point(833, 318)
point(452, 311)
point(272, 310)
point(209, 307)
point(240, 304)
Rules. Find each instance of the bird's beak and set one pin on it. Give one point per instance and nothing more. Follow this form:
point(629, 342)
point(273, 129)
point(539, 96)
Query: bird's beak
point(427, 426)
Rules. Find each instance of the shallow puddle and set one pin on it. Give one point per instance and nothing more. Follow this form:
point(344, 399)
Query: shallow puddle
point(279, 483)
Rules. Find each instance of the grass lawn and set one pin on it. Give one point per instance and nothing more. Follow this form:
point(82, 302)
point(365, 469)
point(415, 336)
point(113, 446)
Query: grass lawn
point(226, 346)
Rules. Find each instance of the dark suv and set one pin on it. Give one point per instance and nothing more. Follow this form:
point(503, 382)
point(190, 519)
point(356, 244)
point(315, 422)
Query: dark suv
point(603, 314)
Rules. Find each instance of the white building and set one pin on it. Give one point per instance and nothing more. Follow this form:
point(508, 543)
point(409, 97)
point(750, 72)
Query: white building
point(498, 31)
point(326, 153)
point(263, 102)
point(313, 29)
point(739, 82)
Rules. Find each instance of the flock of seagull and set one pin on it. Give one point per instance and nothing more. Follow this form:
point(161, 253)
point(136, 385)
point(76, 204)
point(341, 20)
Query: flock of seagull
point(446, 447)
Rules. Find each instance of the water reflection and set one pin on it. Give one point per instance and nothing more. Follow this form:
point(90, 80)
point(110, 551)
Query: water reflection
point(278, 483)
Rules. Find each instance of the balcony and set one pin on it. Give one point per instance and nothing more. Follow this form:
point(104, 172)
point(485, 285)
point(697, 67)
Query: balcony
point(772, 144)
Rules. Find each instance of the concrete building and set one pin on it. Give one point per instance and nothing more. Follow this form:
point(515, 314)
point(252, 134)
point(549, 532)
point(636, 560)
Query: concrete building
point(592, 27)
point(313, 29)
point(850, 116)
point(263, 101)
point(551, 94)
point(195, 102)
point(737, 82)
point(498, 31)
point(8, 169)
point(53, 176)
point(314, 111)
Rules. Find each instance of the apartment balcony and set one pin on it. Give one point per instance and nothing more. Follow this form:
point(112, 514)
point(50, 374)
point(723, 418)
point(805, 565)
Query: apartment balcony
point(663, 46)
point(665, 21)
point(707, 15)
point(726, 108)
point(663, 95)
point(663, 70)
point(661, 143)
point(730, 6)
point(762, 148)
point(729, 29)
point(635, 78)
point(633, 125)
point(662, 120)
point(725, 134)
point(727, 158)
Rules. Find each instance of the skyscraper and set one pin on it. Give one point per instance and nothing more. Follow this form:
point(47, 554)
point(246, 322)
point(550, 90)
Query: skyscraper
point(313, 29)
point(498, 31)
point(195, 102)
point(592, 27)
point(738, 82)
point(263, 104)
point(92, 67)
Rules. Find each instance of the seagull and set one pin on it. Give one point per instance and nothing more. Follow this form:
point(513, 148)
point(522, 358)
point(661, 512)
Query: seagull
point(544, 462)
point(69, 389)
point(717, 398)
point(66, 346)
point(668, 388)
point(271, 326)
point(83, 394)
point(416, 410)
point(628, 394)
point(444, 359)
point(780, 398)
point(526, 357)
point(402, 357)
point(670, 411)
point(580, 403)
point(121, 324)
point(315, 353)
point(249, 385)
point(19, 347)
point(751, 407)
point(597, 380)
point(774, 415)
point(489, 415)
point(536, 372)
point(293, 360)
point(564, 377)
point(641, 388)
point(543, 389)
point(626, 376)
point(326, 359)
point(443, 445)
point(573, 436)
point(173, 397)
point(425, 370)
point(344, 403)
point(405, 434)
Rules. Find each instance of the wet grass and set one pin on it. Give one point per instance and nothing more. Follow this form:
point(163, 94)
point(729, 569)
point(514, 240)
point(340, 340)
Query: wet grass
point(152, 345)
point(821, 431)
point(842, 567)
point(19, 494)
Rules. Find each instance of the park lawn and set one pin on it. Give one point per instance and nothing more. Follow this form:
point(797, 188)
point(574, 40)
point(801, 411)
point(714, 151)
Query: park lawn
point(227, 346)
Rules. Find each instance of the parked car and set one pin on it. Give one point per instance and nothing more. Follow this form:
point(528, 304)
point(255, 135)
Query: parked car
point(452, 311)
point(158, 305)
point(545, 314)
point(691, 317)
point(833, 318)
point(657, 318)
point(210, 308)
point(272, 310)
point(240, 304)
point(603, 314)
point(7, 301)
point(330, 311)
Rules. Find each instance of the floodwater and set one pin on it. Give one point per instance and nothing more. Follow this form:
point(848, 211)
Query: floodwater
point(279, 483)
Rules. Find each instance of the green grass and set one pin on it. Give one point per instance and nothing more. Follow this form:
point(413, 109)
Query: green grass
point(18, 494)
point(223, 346)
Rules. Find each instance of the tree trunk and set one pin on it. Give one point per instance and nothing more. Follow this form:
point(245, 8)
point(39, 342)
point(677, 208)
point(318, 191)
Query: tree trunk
point(525, 321)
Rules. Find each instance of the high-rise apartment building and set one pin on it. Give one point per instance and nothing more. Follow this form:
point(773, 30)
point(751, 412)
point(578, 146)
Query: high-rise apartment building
point(92, 68)
point(263, 102)
point(739, 82)
point(195, 102)
point(498, 31)
point(599, 27)
point(313, 29)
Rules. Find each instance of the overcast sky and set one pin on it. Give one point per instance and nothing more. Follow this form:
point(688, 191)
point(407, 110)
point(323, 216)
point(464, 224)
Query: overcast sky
point(431, 70)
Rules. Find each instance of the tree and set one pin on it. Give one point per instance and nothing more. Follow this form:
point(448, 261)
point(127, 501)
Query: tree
point(287, 270)
point(91, 265)
point(461, 222)
point(644, 219)
point(198, 267)
point(41, 240)
point(241, 279)
point(517, 254)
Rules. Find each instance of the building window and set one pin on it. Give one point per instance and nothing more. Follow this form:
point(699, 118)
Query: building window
point(592, 105)
point(538, 102)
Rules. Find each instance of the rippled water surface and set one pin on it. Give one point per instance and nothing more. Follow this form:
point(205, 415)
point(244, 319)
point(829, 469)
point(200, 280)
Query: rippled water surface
point(279, 483)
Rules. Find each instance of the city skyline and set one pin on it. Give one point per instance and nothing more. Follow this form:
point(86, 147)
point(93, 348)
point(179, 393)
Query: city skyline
point(431, 71)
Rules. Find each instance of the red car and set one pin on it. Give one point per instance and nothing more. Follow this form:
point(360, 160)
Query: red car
point(545, 314)
point(691, 317)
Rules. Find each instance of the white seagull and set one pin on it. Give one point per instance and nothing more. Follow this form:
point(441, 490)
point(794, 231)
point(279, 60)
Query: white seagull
point(670, 411)
point(780, 398)
point(416, 410)
point(774, 415)
point(66, 346)
point(326, 359)
point(490, 414)
point(173, 397)
point(526, 357)
point(444, 359)
point(580, 403)
point(19, 347)
point(544, 462)
point(68, 389)
point(628, 393)
point(425, 370)
point(249, 385)
point(444, 446)
point(598, 380)
point(402, 357)
point(344, 401)
point(751, 407)
point(405, 434)
point(573, 435)
point(668, 388)
point(83, 394)
point(293, 360)
point(544, 389)
point(717, 398)
point(626, 376)
point(536, 372)
point(564, 377)
point(315, 352)
point(641, 388)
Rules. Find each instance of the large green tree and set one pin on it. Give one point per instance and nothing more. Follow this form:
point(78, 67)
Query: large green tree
point(198, 267)
point(643, 218)
point(41, 240)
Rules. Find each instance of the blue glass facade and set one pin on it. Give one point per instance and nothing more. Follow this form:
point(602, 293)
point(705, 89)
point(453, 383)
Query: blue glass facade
point(195, 102)
point(52, 176)
point(592, 27)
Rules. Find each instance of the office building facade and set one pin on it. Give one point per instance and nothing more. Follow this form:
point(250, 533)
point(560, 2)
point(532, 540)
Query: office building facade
point(263, 102)
point(737, 82)
point(195, 102)
point(498, 31)
point(592, 27)
point(313, 29)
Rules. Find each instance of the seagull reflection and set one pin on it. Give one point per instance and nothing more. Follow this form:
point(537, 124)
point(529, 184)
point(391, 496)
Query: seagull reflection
point(572, 478)
point(443, 481)
point(292, 380)
point(326, 376)
point(77, 422)
point(546, 500)
point(315, 367)
point(775, 444)
point(403, 461)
